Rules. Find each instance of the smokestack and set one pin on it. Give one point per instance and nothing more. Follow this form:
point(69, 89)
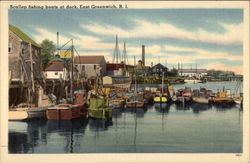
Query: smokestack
point(143, 55)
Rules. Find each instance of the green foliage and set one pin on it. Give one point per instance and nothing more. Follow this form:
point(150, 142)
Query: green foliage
point(218, 74)
point(173, 72)
point(47, 52)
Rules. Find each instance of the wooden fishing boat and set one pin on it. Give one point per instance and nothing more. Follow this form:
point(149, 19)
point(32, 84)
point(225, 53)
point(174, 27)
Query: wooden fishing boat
point(134, 103)
point(161, 96)
point(69, 111)
point(160, 99)
point(18, 114)
point(238, 99)
point(192, 80)
point(24, 113)
point(99, 109)
point(148, 96)
point(183, 95)
point(201, 96)
point(117, 103)
point(222, 98)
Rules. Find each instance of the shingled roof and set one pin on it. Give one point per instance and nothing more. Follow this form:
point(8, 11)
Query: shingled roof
point(58, 66)
point(88, 59)
point(22, 35)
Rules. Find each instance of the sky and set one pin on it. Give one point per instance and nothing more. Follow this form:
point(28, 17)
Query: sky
point(208, 38)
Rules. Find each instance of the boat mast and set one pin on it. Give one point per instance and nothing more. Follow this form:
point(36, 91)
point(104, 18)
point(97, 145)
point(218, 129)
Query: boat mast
point(135, 77)
point(162, 83)
point(72, 70)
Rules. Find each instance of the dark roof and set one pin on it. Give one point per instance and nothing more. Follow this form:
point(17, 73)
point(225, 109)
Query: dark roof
point(192, 70)
point(88, 59)
point(159, 66)
point(23, 36)
point(57, 66)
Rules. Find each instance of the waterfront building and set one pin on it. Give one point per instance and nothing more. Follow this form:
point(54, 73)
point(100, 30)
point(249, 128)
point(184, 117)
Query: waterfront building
point(115, 69)
point(22, 49)
point(141, 69)
point(158, 69)
point(58, 70)
point(192, 72)
point(91, 66)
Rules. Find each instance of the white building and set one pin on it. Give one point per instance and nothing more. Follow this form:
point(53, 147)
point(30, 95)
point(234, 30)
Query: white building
point(57, 70)
point(192, 72)
point(91, 66)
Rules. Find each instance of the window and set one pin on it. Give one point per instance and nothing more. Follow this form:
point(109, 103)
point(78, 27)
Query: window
point(56, 73)
point(83, 67)
point(94, 67)
point(10, 47)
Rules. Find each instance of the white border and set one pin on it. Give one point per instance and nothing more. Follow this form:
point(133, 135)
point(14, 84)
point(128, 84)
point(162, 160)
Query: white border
point(5, 157)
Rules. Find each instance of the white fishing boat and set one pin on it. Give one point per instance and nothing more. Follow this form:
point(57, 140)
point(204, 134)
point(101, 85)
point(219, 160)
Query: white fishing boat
point(192, 80)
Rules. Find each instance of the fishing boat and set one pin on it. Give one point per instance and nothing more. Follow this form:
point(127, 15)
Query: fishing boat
point(183, 95)
point(116, 103)
point(161, 96)
point(201, 96)
point(98, 108)
point(28, 111)
point(148, 96)
point(133, 102)
point(69, 111)
point(192, 80)
point(222, 98)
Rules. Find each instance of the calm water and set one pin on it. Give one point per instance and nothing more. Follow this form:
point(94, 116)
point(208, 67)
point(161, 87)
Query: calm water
point(172, 129)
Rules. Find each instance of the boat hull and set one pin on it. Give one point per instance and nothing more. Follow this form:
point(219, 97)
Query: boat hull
point(66, 112)
point(200, 100)
point(18, 115)
point(100, 113)
point(135, 105)
point(160, 99)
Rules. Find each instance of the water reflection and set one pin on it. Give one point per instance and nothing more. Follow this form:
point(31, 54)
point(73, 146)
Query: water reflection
point(99, 124)
point(196, 107)
point(180, 106)
point(139, 112)
point(224, 107)
point(26, 137)
point(162, 107)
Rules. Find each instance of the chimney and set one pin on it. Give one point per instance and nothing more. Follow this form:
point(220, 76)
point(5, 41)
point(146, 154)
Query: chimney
point(143, 55)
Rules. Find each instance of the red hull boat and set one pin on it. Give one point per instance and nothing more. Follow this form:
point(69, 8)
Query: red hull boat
point(68, 111)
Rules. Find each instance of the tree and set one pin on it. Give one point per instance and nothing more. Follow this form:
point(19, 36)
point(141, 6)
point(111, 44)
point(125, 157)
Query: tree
point(47, 52)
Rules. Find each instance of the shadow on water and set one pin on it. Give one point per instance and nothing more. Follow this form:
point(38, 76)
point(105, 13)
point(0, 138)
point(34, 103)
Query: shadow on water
point(139, 112)
point(27, 136)
point(224, 107)
point(196, 107)
point(183, 107)
point(99, 124)
point(36, 131)
point(162, 107)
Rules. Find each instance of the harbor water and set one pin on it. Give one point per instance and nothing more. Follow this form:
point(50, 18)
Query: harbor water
point(170, 129)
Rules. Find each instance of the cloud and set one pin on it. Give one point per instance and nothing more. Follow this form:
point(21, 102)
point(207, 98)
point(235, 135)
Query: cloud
point(82, 42)
point(221, 66)
point(203, 54)
point(233, 34)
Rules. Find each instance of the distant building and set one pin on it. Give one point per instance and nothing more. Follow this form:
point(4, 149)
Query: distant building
point(59, 70)
point(91, 66)
point(115, 68)
point(158, 69)
point(21, 50)
point(192, 72)
point(141, 69)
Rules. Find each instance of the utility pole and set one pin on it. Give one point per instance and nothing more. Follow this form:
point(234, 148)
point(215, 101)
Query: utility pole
point(31, 68)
